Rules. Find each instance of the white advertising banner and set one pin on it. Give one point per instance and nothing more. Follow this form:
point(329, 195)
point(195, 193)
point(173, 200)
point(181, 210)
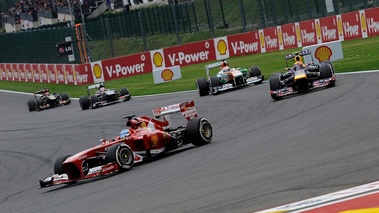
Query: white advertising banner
point(326, 51)
point(167, 74)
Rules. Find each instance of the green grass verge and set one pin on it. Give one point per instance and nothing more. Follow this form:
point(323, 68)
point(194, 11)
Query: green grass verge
point(360, 54)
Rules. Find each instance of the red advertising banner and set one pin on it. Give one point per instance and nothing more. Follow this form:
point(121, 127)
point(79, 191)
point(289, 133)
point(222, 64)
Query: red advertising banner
point(28, 72)
point(122, 67)
point(70, 74)
point(244, 43)
point(329, 30)
point(21, 71)
point(42, 69)
point(82, 74)
point(308, 33)
point(349, 26)
point(287, 36)
point(370, 21)
point(192, 53)
point(60, 74)
point(2, 72)
point(271, 39)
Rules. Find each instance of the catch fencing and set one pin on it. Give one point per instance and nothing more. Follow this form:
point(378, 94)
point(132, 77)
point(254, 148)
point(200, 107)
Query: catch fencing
point(152, 28)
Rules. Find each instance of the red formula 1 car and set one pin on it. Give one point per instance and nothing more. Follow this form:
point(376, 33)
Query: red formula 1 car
point(143, 139)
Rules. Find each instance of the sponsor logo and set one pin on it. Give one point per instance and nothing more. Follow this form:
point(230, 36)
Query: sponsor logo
point(97, 72)
point(323, 53)
point(280, 36)
point(298, 33)
point(188, 58)
point(328, 34)
point(154, 140)
point(157, 59)
point(167, 75)
point(124, 70)
point(318, 30)
point(350, 30)
point(222, 47)
point(271, 42)
point(243, 47)
point(289, 39)
point(107, 168)
point(262, 40)
point(339, 25)
point(81, 78)
point(373, 26)
point(363, 22)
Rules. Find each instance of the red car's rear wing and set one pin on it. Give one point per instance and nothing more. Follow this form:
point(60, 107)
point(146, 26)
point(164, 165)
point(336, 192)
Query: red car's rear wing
point(187, 109)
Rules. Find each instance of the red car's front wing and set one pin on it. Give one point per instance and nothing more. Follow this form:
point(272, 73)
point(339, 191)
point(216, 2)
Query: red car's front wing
point(58, 179)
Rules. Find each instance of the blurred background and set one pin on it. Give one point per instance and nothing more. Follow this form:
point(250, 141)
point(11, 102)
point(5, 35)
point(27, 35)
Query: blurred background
point(112, 28)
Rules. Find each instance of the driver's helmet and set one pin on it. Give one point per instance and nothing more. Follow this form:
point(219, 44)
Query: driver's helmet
point(46, 91)
point(224, 63)
point(101, 88)
point(298, 66)
point(225, 69)
point(124, 133)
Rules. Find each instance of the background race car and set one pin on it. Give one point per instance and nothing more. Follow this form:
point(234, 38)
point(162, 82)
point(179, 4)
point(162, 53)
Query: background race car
point(43, 99)
point(102, 96)
point(143, 139)
point(301, 77)
point(227, 78)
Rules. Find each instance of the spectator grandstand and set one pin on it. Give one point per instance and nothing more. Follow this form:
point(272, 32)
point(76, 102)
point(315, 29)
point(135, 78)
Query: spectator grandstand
point(29, 14)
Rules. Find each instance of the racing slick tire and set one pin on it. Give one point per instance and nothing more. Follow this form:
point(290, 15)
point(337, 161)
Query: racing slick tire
point(326, 71)
point(255, 71)
point(31, 105)
point(275, 84)
point(122, 155)
point(125, 92)
point(84, 102)
point(64, 97)
point(58, 165)
point(93, 101)
point(38, 104)
point(202, 86)
point(199, 131)
point(215, 82)
point(329, 62)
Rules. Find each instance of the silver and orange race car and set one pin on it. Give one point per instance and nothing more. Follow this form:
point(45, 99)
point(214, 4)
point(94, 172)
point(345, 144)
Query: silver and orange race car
point(227, 78)
point(142, 139)
point(301, 77)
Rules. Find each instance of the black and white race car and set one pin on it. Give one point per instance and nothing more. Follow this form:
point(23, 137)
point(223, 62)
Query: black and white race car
point(43, 99)
point(102, 96)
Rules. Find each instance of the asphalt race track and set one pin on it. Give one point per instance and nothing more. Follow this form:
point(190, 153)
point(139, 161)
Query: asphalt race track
point(264, 153)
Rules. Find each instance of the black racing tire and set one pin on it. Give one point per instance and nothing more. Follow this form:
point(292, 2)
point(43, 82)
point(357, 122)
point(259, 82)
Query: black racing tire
point(274, 83)
point(122, 155)
point(58, 165)
point(125, 91)
point(84, 102)
point(215, 81)
point(255, 71)
point(202, 86)
point(64, 97)
point(199, 131)
point(38, 104)
point(329, 62)
point(93, 101)
point(32, 105)
point(326, 71)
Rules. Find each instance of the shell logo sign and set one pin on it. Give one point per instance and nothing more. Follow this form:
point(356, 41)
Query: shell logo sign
point(158, 59)
point(326, 51)
point(222, 47)
point(323, 53)
point(318, 30)
point(97, 72)
point(167, 75)
point(262, 41)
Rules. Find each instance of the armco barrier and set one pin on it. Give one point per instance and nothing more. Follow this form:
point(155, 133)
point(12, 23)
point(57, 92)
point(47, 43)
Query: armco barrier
point(354, 25)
